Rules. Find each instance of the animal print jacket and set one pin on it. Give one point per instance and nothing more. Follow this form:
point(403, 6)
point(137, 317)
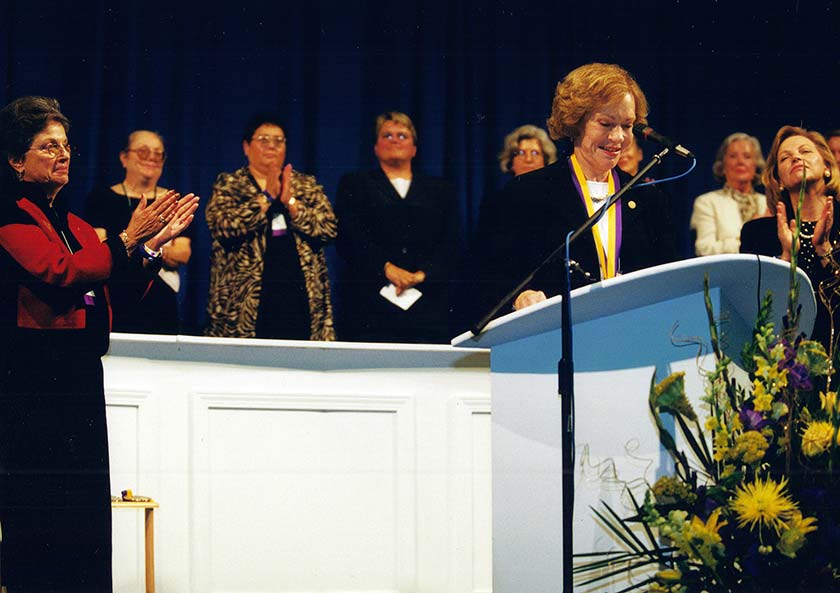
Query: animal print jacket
point(238, 227)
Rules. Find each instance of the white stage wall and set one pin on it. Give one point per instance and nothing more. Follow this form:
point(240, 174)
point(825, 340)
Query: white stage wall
point(298, 467)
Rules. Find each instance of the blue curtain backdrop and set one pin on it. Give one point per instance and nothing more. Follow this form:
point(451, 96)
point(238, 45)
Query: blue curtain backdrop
point(467, 72)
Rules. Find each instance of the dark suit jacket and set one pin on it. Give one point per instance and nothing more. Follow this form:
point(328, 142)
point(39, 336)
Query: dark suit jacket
point(418, 232)
point(541, 208)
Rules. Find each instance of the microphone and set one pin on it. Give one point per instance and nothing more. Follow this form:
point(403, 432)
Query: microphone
point(645, 132)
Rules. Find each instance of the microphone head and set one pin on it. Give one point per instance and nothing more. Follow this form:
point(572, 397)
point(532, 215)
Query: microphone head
point(641, 130)
point(645, 132)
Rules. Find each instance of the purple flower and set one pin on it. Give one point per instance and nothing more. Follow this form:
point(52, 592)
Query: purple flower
point(752, 420)
point(798, 377)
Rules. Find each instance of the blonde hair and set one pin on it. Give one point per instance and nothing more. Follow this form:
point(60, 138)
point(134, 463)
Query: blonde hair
point(397, 117)
point(526, 132)
point(717, 167)
point(586, 88)
point(770, 176)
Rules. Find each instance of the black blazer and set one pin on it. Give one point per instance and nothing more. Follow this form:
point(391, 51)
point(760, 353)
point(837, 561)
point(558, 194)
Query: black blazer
point(542, 207)
point(418, 232)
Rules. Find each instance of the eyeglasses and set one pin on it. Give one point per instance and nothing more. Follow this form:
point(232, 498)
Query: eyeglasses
point(53, 149)
point(533, 152)
point(147, 154)
point(264, 140)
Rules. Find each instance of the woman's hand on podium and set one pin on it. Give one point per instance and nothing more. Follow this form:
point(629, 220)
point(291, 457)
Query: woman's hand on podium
point(528, 298)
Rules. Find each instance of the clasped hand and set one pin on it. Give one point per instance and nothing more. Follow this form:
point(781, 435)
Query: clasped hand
point(280, 185)
point(160, 221)
point(822, 229)
point(403, 279)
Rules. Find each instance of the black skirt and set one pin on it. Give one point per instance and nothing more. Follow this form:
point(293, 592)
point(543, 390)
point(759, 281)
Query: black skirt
point(54, 480)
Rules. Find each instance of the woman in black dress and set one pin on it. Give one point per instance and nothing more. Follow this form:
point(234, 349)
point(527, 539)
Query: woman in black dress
point(109, 209)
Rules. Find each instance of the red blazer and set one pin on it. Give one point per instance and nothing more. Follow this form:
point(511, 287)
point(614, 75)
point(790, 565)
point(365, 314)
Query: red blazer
point(51, 281)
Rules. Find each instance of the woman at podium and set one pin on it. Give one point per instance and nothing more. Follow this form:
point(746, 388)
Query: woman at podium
point(799, 154)
point(594, 109)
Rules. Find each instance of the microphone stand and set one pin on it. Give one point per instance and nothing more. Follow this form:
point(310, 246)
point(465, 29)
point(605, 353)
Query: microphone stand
point(565, 367)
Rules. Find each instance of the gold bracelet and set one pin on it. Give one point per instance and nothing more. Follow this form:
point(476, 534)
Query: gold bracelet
point(124, 239)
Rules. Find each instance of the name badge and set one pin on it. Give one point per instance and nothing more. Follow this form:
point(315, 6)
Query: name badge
point(278, 225)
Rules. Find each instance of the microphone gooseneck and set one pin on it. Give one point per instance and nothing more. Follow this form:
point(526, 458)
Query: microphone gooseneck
point(645, 132)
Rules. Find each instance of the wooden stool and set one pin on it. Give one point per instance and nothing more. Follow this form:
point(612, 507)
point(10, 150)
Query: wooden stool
point(150, 536)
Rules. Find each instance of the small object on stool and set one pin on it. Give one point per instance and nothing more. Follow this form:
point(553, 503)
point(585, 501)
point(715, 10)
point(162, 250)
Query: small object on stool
point(128, 496)
point(130, 501)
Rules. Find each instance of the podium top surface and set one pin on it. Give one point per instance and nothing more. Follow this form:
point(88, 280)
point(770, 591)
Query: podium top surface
point(743, 278)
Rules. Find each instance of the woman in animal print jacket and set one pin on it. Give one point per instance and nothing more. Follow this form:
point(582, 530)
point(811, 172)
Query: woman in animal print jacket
point(270, 224)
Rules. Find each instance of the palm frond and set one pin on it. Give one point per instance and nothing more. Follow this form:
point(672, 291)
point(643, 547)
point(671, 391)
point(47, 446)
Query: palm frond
point(628, 567)
point(702, 453)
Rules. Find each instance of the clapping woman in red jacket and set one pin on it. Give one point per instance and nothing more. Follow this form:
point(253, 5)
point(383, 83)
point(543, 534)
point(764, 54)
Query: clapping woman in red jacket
point(54, 326)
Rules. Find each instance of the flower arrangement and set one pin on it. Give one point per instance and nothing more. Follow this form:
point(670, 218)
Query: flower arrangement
point(756, 505)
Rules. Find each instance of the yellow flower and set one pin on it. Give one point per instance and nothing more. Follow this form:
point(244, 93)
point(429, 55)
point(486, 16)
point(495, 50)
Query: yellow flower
point(828, 401)
point(779, 378)
point(793, 538)
point(780, 410)
point(669, 575)
point(763, 502)
point(761, 366)
point(669, 395)
point(711, 423)
point(749, 447)
point(670, 490)
point(707, 531)
point(816, 438)
point(721, 444)
point(762, 400)
point(769, 371)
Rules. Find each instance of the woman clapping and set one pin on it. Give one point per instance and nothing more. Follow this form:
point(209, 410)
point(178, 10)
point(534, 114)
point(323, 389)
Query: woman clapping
point(54, 318)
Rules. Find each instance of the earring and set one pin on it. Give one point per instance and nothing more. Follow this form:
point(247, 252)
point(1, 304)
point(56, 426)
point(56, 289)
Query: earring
point(20, 174)
point(827, 174)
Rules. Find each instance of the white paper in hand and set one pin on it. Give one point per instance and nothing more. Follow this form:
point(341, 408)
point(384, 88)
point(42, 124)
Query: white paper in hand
point(404, 300)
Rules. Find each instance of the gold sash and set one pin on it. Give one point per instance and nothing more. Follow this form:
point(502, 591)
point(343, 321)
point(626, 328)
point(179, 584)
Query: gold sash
point(606, 260)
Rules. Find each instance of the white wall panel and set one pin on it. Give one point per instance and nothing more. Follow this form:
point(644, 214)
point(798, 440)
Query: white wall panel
point(295, 467)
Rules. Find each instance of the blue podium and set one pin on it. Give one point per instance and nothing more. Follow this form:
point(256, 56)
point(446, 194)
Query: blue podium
point(625, 329)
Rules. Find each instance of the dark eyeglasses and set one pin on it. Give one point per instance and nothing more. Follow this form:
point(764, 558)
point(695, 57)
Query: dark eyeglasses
point(147, 154)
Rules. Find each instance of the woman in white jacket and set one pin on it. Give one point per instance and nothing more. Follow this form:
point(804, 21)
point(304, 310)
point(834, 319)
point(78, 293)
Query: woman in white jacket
point(718, 216)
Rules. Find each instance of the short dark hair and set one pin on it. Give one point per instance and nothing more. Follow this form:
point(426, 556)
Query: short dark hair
point(258, 119)
point(131, 136)
point(20, 121)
